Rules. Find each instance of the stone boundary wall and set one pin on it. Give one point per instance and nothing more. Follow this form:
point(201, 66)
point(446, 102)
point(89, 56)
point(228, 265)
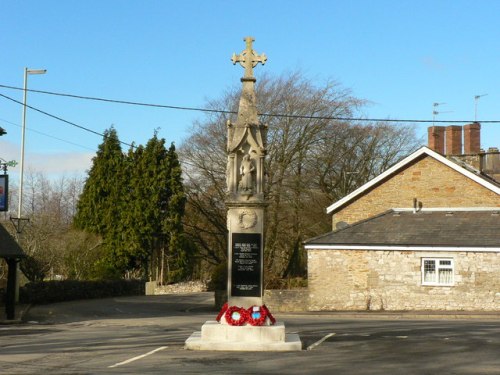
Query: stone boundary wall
point(152, 288)
point(276, 300)
point(292, 300)
point(392, 281)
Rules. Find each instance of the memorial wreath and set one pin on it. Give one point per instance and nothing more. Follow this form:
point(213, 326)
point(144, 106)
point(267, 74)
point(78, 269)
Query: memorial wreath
point(236, 316)
point(239, 316)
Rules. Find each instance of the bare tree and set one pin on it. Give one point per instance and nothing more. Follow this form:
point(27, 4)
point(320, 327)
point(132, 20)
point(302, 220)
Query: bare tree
point(49, 205)
point(314, 157)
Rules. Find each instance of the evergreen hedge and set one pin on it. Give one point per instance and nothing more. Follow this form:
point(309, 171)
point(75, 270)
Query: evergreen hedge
point(68, 290)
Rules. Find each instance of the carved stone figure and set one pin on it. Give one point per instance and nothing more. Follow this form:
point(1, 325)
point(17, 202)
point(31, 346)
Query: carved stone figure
point(246, 170)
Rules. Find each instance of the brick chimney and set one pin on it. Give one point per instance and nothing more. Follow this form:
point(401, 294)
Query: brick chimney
point(436, 138)
point(453, 140)
point(472, 138)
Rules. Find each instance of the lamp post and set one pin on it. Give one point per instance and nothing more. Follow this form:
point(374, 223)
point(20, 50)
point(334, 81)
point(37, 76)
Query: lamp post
point(23, 131)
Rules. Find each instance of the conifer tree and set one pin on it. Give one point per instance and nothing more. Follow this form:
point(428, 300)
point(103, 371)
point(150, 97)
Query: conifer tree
point(100, 205)
point(133, 200)
point(154, 209)
point(178, 248)
point(147, 190)
point(97, 209)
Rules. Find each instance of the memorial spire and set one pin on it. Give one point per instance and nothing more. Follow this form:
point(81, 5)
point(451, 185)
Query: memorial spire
point(246, 138)
point(247, 110)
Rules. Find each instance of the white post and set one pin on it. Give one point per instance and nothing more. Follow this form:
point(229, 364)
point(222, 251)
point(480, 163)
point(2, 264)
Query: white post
point(23, 131)
point(21, 172)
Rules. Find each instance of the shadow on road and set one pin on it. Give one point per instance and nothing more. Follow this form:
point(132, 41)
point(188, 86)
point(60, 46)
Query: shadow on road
point(134, 307)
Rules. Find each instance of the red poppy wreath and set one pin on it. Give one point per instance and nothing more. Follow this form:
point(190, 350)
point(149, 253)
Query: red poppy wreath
point(236, 316)
point(222, 311)
point(257, 315)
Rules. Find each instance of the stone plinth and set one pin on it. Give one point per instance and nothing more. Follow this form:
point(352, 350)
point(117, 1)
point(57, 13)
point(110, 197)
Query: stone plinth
point(224, 337)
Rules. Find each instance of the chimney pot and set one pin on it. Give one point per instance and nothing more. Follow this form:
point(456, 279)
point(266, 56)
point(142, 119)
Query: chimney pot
point(472, 138)
point(453, 140)
point(436, 138)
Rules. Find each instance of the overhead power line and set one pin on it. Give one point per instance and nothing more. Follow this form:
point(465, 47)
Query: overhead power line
point(119, 101)
point(47, 135)
point(208, 110)
point(60, 119)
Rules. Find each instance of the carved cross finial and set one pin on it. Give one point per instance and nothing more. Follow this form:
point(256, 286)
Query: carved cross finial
point(248, 58)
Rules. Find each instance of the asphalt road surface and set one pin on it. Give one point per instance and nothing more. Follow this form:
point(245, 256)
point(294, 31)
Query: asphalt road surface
point(145, 335)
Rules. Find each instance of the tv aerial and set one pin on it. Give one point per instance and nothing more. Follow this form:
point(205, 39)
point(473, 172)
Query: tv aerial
point(435, 112)
point(476, 100)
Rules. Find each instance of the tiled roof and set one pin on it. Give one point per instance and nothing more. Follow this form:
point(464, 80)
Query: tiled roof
point(426, 228)
point(477, 172)
point(9, 248)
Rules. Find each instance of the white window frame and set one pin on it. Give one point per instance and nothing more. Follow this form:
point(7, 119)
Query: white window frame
point(438, 266)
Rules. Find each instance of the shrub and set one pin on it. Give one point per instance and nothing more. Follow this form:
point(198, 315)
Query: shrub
point(219, 278)
point(69, 290)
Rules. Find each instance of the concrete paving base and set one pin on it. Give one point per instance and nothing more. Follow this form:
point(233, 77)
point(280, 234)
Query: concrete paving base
point(223, 337)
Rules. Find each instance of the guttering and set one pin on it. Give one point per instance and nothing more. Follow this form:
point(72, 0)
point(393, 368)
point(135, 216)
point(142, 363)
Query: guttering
point(449, 209)
point(404, 248)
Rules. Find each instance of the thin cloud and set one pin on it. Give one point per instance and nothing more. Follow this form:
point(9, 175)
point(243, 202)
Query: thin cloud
point(431, 63)
point(60, 163)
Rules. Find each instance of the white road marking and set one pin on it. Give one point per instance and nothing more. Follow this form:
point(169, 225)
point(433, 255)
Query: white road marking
point(319, 342)
point(138, 357)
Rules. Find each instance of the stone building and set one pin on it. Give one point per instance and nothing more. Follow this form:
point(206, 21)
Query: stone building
point(423, 235)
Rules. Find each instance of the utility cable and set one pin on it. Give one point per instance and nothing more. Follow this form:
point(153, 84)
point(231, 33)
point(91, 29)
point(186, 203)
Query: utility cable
point(184, 108)
point(120, 101)
point(46, 135)
point(60, 119)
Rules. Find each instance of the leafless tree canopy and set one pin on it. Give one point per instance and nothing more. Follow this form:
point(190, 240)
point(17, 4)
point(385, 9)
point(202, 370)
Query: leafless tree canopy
point(54, 249)
point(311, 162)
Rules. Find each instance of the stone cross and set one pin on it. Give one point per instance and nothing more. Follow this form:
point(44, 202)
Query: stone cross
point(248, 58)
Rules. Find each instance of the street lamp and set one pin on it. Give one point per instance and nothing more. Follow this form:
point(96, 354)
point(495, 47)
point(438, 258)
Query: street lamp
point(21, 174)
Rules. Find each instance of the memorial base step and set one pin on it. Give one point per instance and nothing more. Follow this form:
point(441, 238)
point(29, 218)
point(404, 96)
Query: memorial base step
point(224, 337)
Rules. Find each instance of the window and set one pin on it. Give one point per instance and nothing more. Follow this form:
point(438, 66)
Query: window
point(437, 271)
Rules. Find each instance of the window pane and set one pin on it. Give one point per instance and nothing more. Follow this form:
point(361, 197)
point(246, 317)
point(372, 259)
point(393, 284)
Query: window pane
point(429, 271)
point(445, 262)
point(445, 276)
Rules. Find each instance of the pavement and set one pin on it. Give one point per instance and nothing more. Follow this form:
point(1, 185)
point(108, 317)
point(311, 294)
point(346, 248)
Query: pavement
point(22, 309)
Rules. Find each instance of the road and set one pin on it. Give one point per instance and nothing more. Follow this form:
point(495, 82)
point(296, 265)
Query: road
point(145, 335)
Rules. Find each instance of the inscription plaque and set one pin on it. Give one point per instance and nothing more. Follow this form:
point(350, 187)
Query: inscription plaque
point(246, 267)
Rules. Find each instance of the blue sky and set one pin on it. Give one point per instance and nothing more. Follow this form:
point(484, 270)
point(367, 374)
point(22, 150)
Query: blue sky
point(402, 56)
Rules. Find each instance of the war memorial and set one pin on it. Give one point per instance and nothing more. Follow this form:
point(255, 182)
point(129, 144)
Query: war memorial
point(245, 323)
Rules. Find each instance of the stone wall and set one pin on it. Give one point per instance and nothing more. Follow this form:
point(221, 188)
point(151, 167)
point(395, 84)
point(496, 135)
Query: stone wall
point(291, 300)
point(392, 280)
point(277, 300)
point(431, 182)
point(179, 288)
